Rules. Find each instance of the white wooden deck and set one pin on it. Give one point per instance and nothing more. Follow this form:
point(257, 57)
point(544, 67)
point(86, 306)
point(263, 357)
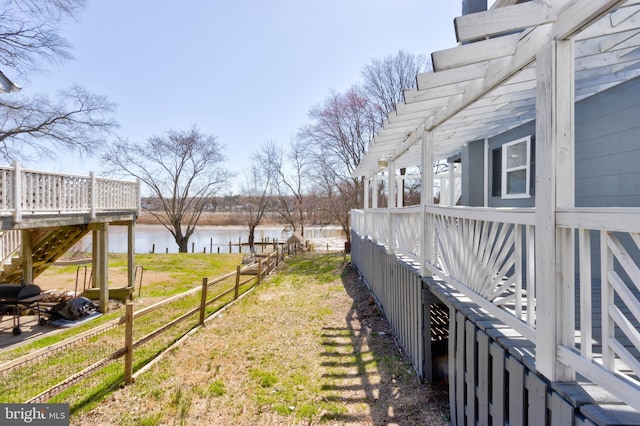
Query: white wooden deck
point(43, 214)
point(33, 199)
point(487, 256)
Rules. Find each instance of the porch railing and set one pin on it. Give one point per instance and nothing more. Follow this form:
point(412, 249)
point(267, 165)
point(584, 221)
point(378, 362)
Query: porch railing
point(602, 247)
point(489, 256)
point(28, 191)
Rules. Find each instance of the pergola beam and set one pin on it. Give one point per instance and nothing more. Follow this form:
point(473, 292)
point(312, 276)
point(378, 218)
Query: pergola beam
point(474, 53)
point(503, 20)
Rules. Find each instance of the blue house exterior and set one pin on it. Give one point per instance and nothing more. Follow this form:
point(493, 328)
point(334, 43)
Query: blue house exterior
point(533, 271)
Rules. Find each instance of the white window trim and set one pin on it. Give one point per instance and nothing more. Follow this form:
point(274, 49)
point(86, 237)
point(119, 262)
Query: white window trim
point(526, 167)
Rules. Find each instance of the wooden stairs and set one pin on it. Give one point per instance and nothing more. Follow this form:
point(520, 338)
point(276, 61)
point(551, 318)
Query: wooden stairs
point(48, 244)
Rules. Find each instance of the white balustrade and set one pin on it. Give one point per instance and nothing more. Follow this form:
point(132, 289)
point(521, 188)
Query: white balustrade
point(37, 192)
point(488, 255)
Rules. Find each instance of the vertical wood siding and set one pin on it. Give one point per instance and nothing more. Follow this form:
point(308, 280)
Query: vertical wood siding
point(398, 290)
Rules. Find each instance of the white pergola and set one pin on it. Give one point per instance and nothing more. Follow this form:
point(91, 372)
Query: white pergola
point(484, 88)
point(534, 60)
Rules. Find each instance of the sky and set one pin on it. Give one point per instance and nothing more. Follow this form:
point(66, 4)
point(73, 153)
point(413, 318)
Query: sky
point(246, 71)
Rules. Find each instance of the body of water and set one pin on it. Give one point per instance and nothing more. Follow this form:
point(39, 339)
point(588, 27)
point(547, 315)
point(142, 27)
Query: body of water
point(214, 239)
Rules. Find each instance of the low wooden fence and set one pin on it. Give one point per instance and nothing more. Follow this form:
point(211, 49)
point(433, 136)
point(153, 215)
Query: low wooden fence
point(140, 337)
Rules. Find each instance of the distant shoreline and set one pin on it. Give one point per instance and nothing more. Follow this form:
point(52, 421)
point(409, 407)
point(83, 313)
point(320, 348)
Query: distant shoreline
point(215, 219)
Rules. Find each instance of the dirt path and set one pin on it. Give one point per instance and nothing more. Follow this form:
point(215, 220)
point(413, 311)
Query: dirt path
point(306, 347)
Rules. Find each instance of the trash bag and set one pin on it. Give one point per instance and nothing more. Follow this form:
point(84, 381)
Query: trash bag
point(77, 308)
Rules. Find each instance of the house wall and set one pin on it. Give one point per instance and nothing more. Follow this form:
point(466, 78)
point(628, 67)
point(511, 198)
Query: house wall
point(607, 167)
point(608, 148)
point(473, 174)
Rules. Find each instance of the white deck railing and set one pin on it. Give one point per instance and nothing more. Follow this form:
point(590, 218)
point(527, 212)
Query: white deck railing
point(36, 192)
point(489, 256)
point(602, 247)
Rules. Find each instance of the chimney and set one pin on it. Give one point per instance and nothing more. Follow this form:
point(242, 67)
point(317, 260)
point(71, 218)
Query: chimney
point(473, 6)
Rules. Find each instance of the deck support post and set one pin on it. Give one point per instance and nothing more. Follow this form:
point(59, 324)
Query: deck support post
point(94, 257)
point(555, 185)
point(102, 266)
point(27, 256)
point(131, 254)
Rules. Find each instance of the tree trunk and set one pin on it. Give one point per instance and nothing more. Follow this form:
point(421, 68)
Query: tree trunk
point(252, 237)
point(181, 240)
point(183, 245)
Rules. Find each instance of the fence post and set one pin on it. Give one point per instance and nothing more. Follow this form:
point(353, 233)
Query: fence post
point(237, 287)
point(277, 256)
point(259, 271)
point(203, 300)
point(128, 345)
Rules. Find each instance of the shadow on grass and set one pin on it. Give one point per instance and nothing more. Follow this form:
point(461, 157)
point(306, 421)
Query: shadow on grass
point(364, 365)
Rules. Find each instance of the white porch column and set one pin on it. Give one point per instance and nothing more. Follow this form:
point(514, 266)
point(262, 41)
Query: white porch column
point(452, 184)
point(374, 191)
point(426, 199)
point(391, 203)
point(555, 185)
point(366, 182)
point(486, 174)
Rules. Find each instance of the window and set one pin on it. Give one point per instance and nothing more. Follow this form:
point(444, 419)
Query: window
point(516, 169)
point(496, 172)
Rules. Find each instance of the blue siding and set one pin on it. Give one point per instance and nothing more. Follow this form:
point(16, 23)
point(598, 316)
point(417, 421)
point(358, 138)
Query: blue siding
point(607, 165)
point(473, 174)
point(608, 148)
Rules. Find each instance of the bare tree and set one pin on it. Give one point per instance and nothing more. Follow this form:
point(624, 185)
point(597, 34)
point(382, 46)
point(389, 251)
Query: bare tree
point(337, 141)
point(76, 119)
point(29, 33)
point(288, 177)
point(182, 168)
point(257, 193)
point(386, 79)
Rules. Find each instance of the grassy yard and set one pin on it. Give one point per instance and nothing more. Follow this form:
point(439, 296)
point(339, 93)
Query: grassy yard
point(305, 347)
point(164, 275)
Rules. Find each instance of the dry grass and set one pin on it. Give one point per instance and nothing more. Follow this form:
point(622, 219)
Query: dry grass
point(306, 347)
